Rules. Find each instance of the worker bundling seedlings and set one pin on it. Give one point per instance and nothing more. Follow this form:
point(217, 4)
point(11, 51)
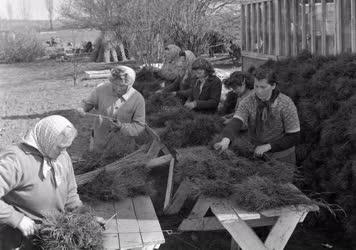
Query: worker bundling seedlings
point(120, 104)
point(36, 177)
point(204, 94)
point(271, 118)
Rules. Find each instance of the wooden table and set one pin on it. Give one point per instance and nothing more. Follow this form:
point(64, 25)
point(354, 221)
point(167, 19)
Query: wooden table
point(135, 225)
point(239, 223)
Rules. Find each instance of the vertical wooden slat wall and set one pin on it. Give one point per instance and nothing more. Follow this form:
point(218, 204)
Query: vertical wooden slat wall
point(295, 27)
point(312, 27)
point(258, 27)
point(253, 27)
point(323, 28)
point(353, 26)
point(277, 26)
point(264, 27)
point(243, 28)
point(285, 27)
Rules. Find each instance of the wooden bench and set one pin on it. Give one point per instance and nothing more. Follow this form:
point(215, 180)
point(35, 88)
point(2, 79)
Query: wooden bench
point(239, 223)
point(135, 225)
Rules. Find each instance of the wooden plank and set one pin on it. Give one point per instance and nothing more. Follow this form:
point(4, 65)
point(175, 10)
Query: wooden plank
point(323, 28)
point(270, 30)
point(212, 223)
point(295, 27)
point(264, 27)
point(148, 223)
point(243, 27)
point(288, 209)
point(304, 26)
point(111, 241)
point(286, 27)
point(253, 27)
point(277, 26)
point(338, 20)
point(312, 27)
point(282, 230)
point(200, 208)
point(106, 210)
point(353, 26)
point(239, 230)
point(159, 161)
point(154, 149)
point(129, 231)
point(169, 187)
point(248, 27)
point(258, 27)
point(179, 197)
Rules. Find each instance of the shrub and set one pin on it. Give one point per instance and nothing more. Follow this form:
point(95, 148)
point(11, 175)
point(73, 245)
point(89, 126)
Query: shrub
point(24, 48)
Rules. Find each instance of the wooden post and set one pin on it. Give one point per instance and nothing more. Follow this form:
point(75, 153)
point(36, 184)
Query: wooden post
point(258, 27)
point(338, 25)
point(353, 26)
point(286, 27)
point(270, 30)
point(264, 27)
point(243, 28)
point(295, 28)
point(253, 27)
point(312, 27)
point(277, 25)
point(248, 26)
point(323, 28)
point(304, 27)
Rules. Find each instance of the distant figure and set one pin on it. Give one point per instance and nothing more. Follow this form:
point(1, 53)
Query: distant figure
point(234, 52)
point(88, 47)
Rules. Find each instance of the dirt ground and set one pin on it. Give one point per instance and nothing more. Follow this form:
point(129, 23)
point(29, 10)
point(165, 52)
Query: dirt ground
point(29, 92)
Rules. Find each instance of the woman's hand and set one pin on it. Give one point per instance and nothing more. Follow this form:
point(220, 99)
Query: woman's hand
point(27, 226)
point(222, 145)
point(260, 150)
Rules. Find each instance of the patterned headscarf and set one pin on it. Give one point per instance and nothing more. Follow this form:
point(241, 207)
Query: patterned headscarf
point(173, 52)
point(124, 71)
point(44, 136)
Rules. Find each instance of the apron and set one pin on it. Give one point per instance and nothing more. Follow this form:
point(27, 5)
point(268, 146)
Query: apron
point(12, 239)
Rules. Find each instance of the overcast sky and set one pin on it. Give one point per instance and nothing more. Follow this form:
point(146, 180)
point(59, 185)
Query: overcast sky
point(37, 9)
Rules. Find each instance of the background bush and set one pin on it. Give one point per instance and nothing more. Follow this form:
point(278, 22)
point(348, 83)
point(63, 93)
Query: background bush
point(24, 48)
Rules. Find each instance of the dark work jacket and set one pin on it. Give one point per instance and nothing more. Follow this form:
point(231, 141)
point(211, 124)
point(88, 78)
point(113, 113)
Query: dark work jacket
point(209, 98)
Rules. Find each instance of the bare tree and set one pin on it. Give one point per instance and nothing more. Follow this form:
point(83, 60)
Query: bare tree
point(49, 5)
point(9, 10)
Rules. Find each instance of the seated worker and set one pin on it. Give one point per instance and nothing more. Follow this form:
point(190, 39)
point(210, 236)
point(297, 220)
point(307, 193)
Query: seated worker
point(182, 82)
point(204, 94)
point(240, 84)
point(171, 68)
point(120, 101)
point(36, 178)
point(271, 118)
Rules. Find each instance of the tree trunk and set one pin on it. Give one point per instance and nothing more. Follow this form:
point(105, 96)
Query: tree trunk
point(122, 51)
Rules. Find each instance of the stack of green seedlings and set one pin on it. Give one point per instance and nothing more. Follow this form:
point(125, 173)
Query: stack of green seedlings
point(323, 89)
point(253, 184)
point(70, 230)
point(126, 182)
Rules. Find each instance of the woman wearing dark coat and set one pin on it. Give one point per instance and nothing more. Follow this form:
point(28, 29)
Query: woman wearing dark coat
point(204, 94)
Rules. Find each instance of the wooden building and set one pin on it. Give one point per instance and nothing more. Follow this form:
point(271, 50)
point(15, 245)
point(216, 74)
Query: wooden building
point(273, 29)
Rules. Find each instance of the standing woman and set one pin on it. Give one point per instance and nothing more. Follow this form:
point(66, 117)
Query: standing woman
point(205, 92)
point(36, 177)
point(271, 118)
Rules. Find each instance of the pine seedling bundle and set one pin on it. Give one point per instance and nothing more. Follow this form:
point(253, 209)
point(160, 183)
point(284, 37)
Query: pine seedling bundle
point(127, 182)
point(76, 230)
point(216, 175)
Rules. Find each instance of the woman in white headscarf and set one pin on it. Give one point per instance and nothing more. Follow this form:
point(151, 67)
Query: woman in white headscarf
point(118, 100)
point(36, 177)
point(171, 68)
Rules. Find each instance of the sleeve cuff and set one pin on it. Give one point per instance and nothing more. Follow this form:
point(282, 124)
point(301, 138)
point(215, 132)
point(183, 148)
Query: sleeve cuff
point(15, 218)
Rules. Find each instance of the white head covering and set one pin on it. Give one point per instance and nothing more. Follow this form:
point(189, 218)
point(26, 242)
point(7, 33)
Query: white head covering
point(43, 136)
point(129, 72)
